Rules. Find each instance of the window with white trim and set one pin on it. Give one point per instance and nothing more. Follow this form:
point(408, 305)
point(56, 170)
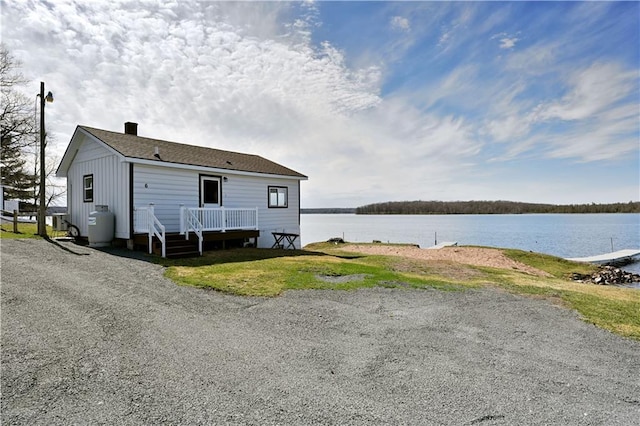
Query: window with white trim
point(278, 197)
point(87, 188)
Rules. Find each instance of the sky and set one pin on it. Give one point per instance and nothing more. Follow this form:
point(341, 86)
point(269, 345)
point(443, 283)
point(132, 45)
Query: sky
point(373, 101)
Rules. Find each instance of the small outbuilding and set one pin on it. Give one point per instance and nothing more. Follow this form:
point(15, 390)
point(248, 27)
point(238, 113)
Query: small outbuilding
point(161, 191)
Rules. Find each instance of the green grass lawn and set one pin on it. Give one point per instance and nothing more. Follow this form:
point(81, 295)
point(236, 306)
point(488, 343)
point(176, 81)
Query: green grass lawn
point(262, 272)
point(25, 230)
point(558, 267)
point(268, 273)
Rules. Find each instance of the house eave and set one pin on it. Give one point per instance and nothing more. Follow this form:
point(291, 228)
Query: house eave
point(209, 169)
point(73, 147)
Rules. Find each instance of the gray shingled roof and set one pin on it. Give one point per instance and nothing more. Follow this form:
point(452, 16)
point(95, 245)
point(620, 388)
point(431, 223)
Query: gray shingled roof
point(132, 146)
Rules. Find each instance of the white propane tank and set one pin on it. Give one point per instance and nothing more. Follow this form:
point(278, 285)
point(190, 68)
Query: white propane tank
point(101, 227)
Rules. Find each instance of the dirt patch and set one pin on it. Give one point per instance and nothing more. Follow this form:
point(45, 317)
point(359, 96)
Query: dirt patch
point(340, 279)
point(447, 269)
point(477, 256)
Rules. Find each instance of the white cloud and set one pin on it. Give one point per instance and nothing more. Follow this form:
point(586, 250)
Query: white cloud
point(246, 76)
point(400, 23)
point(445, 37)
point(508, 128)
point(593, 90)
point(251, 85)
point(508, 43)
point(603, 138)
point(155, 67)
point(600, 111)
point(458, 29)
point(595, 120)
point(537, 59)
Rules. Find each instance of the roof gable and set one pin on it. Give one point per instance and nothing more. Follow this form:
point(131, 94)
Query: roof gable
point(137, 147)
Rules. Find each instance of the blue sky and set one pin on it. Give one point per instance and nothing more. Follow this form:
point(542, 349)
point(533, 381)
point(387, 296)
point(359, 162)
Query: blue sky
point(374, 101)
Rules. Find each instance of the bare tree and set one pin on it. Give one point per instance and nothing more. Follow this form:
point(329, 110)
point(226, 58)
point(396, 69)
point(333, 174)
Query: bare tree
point(17, 115)
point(18, 129)
point(19, 140)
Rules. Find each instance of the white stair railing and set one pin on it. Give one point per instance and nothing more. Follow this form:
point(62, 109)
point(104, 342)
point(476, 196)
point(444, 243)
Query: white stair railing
point(192, 224)
point(197, 220)
point(157, 229)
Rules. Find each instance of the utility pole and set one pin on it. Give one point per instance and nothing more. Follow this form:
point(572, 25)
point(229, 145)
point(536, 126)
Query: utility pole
point(42, 208)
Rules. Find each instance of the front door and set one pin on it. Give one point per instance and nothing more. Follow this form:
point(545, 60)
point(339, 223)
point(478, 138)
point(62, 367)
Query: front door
point(210, 191)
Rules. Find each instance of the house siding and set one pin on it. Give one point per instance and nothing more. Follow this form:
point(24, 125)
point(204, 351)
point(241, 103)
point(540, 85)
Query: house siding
point(251, 192)
point(108, 173)
point(168, 187)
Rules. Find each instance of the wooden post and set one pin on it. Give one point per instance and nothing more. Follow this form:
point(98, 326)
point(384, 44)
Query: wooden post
point(15, 221)
point(182, 217)
point(42, 208)
point(257, 220)
point(150, 225)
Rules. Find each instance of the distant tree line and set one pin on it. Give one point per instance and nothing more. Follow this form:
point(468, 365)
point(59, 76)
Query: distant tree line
point(491, 207)
point(328, 210)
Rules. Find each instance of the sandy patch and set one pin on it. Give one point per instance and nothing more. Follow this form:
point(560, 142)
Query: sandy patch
point(476, 256)
point(341, 279)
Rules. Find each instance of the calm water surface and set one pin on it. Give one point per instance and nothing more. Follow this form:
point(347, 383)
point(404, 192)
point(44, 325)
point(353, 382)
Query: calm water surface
point(564, 235)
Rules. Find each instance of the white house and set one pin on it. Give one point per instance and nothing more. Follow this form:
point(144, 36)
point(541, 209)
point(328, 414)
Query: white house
point(156, 187)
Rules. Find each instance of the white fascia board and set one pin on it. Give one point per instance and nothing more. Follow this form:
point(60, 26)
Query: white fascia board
point(207, 169)
point(73, 147)
point(104, 145)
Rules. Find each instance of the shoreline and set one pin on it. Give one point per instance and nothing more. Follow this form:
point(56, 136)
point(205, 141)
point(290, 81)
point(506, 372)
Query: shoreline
point(475, 256)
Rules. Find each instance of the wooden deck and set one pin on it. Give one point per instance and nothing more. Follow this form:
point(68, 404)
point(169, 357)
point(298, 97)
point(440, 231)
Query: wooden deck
point(620, 257)
point(179, 246)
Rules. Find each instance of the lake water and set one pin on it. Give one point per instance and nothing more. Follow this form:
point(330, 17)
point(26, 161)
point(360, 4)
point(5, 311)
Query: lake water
point(563, 235)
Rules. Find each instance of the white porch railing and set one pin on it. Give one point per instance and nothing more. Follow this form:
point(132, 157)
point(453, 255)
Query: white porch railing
point(201, 219)
point(221, 218)
point(140, 220)
point(196, 220)
point(192, 224)
point(145, 221)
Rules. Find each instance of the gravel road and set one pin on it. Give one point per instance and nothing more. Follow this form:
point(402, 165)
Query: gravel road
point(100, 337)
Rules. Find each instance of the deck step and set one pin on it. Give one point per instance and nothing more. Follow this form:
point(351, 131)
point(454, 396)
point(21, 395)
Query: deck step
point(177, 247)
point(183, 254)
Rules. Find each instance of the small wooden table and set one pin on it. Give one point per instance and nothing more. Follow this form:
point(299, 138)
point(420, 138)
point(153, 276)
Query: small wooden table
point(280, 238)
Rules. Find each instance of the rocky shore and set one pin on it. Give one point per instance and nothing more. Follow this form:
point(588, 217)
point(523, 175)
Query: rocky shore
point(607, 275)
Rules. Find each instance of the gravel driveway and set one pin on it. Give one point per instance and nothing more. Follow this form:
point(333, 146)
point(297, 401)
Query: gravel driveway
point(98, 337)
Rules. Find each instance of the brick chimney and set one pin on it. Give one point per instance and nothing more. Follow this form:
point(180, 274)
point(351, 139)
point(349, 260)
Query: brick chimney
point(131, 128)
